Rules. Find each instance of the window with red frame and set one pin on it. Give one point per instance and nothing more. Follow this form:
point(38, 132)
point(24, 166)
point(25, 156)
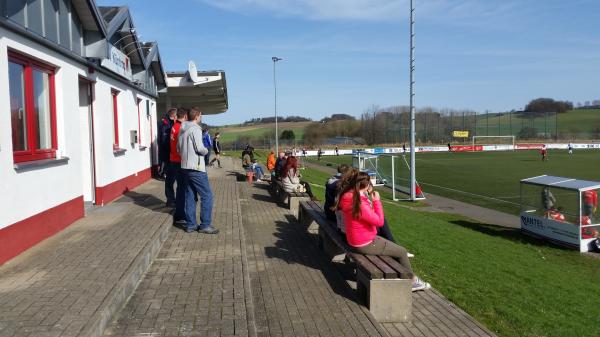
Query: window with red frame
point(32, 108)
point(115, 116)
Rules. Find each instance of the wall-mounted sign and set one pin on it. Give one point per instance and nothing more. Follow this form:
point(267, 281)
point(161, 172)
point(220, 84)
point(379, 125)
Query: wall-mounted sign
point(118, 63)
point(460, 134)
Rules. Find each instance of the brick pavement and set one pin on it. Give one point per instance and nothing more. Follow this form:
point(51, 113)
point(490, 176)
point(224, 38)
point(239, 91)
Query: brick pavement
point(262, 275)
point(196, 285)
point(70, 283)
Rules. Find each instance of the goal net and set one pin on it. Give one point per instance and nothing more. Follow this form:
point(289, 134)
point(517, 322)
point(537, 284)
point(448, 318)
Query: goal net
point(494, 142)
point(392, 171)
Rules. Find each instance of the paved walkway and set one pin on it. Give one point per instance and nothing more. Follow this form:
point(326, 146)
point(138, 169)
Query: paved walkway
point(71, 283)
point(442, 204)
point(124, 270)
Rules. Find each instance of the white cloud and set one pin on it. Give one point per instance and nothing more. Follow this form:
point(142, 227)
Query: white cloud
point(368, 9)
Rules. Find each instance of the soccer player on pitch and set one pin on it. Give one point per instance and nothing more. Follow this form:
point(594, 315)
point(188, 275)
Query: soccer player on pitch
point(544, 153)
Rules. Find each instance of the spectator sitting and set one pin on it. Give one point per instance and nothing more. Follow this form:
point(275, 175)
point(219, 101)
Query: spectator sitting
point(280, 164)
point(258, 171)
point(331, 189)
point(362, 216)
point(246, 160)
point(291, 178)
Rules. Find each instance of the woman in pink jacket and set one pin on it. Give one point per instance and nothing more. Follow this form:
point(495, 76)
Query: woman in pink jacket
point(362, 215)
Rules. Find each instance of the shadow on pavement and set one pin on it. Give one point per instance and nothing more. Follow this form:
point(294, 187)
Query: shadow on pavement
point(295, 245)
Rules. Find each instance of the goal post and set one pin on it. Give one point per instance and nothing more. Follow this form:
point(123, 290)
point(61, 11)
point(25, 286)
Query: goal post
point(391, 170)
point(505, 141)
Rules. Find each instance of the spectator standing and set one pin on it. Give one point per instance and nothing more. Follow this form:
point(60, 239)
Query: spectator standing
point(192, 151)
point(337, 151)
point(175, 166)
point(271, 161)
point(206, 141)
point(216, 143)
point(362, 215)
point(319, 154)
point(164, 153)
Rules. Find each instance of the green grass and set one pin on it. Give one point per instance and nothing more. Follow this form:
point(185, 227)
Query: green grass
point(491, 179)
point(230, 134)
point(515, 285)
point(580, 121)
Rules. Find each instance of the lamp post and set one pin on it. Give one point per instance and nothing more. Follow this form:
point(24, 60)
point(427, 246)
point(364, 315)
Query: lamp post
point(413, 183)
point(275, 59)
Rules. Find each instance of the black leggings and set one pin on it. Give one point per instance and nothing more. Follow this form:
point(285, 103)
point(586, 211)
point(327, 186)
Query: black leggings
point(307, 188)
point(384, 231)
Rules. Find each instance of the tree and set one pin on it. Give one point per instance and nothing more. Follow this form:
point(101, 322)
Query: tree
point(543, 105)
point(288, 135)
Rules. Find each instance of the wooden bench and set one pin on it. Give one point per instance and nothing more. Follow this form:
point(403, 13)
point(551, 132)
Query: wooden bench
point(291, 200)
point(382, 282)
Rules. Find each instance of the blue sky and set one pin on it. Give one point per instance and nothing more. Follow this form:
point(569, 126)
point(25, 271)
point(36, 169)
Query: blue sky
point(344, 56)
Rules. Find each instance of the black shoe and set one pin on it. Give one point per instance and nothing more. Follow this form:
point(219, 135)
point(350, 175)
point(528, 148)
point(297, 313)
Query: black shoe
point(180, 223)
point(170, 204)
point(208, 230)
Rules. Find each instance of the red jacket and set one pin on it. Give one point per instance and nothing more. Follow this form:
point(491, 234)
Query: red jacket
point(174, 156)
point(590, 198)
point(361, 231)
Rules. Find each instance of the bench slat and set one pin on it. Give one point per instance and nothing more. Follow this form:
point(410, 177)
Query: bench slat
point(388, 272)
point(366, 266)
point(402, 271)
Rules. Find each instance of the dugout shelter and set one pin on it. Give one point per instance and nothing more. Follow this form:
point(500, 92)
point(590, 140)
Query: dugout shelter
point(561, 210)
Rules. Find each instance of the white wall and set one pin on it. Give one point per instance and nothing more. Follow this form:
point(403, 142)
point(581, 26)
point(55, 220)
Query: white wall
point(26, 193)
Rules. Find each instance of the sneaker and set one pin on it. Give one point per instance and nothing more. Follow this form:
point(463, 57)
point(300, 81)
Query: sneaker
point(170, 204)
point(409, 254)
point(208, 230)
point(258, 181)
point(419, 284)
point(190, 230)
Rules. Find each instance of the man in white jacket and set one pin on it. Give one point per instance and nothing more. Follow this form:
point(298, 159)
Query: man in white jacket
point(192, 152)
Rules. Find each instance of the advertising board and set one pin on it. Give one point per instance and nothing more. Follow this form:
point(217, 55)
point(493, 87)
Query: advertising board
point(562, 232)
point(118, 63)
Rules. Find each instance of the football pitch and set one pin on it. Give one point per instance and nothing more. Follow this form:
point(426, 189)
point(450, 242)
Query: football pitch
point(488, 179)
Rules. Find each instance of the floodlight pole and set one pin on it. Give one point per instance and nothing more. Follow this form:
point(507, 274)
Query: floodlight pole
point(413, 194)
point(275, 59)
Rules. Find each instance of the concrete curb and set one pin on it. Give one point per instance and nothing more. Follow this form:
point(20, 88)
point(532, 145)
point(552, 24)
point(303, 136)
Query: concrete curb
point(116, 299)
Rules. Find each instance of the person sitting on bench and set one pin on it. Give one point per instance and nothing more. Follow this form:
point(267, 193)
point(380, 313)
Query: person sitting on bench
point(331, 193)
point(362, 216)
point(291, 179)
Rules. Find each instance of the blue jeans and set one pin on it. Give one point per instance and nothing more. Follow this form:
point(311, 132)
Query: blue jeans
point(259, 172)
point(179, 192)
point(169, 182)
point(197, 182)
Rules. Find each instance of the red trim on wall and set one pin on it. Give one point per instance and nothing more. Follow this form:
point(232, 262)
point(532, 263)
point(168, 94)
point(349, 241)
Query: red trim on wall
point(24, 234)
point(110, 192)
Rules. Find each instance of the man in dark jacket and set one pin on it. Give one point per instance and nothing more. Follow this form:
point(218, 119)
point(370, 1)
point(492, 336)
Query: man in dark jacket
point(163, 139)
point(207, 142)
point(331, 190)
point(164, 154)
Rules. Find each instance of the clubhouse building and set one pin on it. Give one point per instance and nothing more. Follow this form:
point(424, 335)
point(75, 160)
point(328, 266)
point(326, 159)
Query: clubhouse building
point(80, 101)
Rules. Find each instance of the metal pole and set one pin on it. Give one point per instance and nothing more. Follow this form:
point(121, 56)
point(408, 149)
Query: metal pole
point(275, 59)
point(413, 186)
point(393, 180)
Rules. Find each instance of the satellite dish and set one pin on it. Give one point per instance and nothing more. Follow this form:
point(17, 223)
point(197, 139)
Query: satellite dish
point(192, 71)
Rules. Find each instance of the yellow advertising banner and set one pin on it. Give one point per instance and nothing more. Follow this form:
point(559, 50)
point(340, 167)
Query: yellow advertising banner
point(460, 134)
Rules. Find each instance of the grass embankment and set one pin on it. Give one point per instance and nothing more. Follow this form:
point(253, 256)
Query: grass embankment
point(230, 134)
point(515, 285)
point(491, 179)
